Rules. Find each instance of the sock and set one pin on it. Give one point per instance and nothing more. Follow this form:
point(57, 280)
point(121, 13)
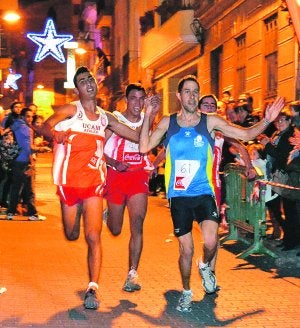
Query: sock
point(203, 265)
point(132, 271)
point(93, 285)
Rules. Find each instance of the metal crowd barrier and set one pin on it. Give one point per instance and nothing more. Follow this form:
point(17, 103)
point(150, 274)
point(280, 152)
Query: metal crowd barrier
point(246, 212)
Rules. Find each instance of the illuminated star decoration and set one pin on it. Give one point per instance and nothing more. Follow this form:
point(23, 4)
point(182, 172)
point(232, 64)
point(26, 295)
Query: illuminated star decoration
point(11, 80)
point(49, 42)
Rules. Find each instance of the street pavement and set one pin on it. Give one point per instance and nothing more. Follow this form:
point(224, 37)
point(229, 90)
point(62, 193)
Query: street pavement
point(46, 276)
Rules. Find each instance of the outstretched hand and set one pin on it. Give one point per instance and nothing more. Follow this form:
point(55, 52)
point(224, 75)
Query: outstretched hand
point(273, 110)
point(152, 105)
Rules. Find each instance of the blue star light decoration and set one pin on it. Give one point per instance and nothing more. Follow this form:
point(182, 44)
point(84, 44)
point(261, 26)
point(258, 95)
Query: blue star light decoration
point(11, 80)
point(50, 43)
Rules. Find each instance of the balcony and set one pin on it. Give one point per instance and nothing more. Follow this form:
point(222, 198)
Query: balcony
point(168, 41)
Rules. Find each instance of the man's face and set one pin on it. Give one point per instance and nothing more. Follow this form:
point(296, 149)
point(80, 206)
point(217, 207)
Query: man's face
point(208, 105)
point(282, 122)
point(86, 85)
point(17, 108)
point(189, 96)
point(33, 109)
point(135, 101)
point(28, 117)
point(242, 114)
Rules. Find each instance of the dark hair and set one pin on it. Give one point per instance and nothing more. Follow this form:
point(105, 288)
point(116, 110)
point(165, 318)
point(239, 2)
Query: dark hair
point(134, 86)
point(80, 70)
point(37, 117)
point(24, 111)
point(12, 105)
point(286, 113)
point(187, 78)
point(242, 107)
point(296, 108)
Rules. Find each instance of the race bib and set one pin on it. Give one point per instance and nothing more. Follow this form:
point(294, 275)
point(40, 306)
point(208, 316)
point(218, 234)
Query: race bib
point(185, 170)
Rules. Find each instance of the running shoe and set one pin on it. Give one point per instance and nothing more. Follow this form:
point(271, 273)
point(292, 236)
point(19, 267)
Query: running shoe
point(209, 281)
point(37, 217)
point(9, 216)
point(91, 301)
point(131, 283)
point(185, 301)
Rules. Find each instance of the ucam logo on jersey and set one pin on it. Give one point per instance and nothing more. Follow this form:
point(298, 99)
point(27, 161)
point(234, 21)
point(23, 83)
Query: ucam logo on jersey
point(91, 128)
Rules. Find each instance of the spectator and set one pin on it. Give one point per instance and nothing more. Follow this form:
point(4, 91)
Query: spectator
point(277, 149)
point(40, 145)
point(244, 118)
point(272, 199)
point(9, 150)
point(15, 109)
point(21, 170)
point(295, 112)
point(226, 95)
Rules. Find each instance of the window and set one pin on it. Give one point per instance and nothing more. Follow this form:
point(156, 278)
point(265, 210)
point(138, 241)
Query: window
point(271, 69)
point(241, 63)
point(216, 70)
point(270, 49)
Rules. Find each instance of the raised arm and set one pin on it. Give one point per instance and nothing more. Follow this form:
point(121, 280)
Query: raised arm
point(216, 122)
point(149, 141)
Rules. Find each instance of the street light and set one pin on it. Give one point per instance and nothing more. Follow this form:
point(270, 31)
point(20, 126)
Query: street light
point(10, 17)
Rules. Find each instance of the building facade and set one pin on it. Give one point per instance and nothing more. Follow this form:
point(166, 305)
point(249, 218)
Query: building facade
point(230, 45)
point(238, 46)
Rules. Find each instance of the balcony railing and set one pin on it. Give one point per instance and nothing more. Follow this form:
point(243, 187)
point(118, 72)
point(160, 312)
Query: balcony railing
point(170, 7)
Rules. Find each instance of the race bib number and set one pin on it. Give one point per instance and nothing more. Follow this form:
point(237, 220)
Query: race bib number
point(185, 170)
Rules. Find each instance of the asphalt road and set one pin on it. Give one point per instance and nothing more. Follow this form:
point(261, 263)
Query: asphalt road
point(46, 276)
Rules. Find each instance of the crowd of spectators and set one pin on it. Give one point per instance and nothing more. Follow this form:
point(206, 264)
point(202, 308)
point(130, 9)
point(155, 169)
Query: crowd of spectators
point(274, 154)
point(19, 144)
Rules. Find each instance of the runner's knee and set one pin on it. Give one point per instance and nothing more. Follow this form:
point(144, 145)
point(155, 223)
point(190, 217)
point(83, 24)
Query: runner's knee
point(92, 237)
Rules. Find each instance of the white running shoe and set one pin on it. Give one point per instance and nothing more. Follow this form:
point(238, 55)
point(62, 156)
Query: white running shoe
point(209, 281)
point(131, 284)
point(185, 301)
point(37, 217)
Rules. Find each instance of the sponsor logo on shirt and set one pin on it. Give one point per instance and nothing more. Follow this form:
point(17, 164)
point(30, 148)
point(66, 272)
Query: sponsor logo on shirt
point(91, 128)
point(214, 215)
point(179, 183)
point(80, 115)
point(131, 157)
point(198, 142)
